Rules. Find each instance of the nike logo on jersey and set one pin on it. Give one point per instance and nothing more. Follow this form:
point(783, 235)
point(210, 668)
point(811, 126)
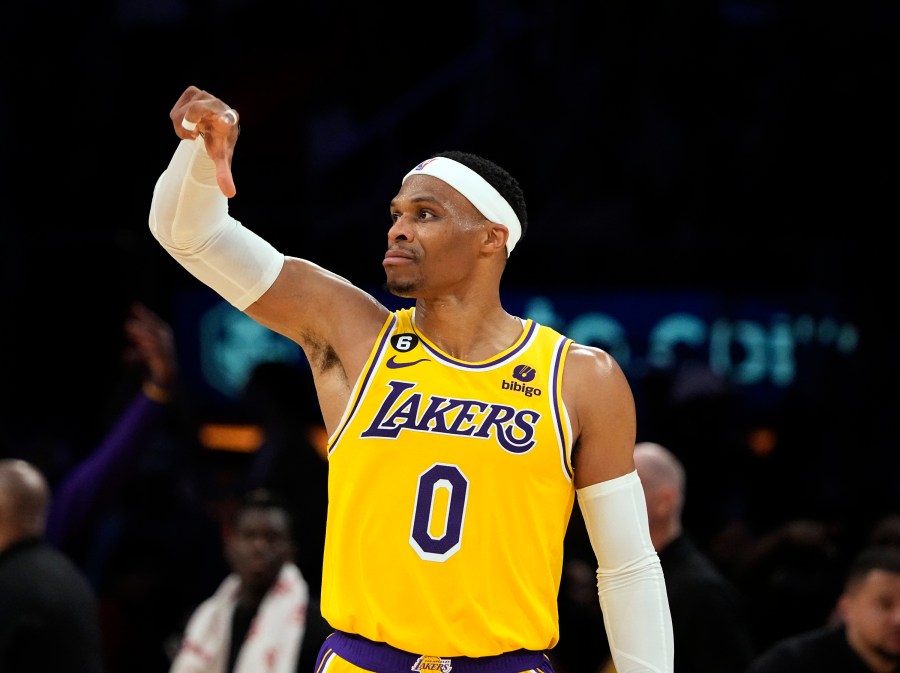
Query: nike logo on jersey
point(393, 364)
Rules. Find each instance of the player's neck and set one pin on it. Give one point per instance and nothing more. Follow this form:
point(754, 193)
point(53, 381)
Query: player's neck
point(471, 334)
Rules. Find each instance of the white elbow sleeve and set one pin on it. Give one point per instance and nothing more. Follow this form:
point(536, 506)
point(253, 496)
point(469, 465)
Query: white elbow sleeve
point(630, 580)
point(189, 217)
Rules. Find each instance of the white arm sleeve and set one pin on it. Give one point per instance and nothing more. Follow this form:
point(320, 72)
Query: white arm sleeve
point(189, 217)
point(630, 579)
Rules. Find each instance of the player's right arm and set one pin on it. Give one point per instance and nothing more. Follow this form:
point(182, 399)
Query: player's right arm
point(332, 320)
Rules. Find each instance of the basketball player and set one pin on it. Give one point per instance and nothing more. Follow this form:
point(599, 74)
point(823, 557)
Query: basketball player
point(459, 435)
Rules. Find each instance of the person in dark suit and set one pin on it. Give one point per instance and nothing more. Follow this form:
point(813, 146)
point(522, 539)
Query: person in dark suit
point(49, 618)
point(864, 634)
point(711, 631)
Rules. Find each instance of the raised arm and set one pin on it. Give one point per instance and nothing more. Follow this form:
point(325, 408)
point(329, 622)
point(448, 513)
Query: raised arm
point(630, 581)
point(103, 474)
point(333, 321)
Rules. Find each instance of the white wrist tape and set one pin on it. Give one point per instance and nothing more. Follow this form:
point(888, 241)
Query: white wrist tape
point(630, 580)
point(189, 217)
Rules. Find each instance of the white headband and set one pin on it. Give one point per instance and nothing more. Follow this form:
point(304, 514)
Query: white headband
point(475, 188)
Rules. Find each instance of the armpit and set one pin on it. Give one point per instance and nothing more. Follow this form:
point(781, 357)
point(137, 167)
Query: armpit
point(322, 357)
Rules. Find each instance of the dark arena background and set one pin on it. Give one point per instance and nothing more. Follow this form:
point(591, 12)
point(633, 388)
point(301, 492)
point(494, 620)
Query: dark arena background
point(712, 193)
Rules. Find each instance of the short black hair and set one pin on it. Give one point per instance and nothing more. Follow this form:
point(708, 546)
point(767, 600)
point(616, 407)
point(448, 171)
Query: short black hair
point(498, 178)
point(873, 557)
point(264, 499)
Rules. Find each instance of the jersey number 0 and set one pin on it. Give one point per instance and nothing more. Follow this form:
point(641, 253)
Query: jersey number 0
point(439, 512)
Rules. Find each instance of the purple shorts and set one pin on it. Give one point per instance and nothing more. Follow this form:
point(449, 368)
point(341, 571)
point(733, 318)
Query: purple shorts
point(382, 658)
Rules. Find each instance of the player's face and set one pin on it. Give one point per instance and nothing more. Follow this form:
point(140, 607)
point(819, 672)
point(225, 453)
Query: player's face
point(872, 614)
point(434, 238)
point(259, 545)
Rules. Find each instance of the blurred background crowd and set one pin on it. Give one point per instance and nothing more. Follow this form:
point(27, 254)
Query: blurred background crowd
point(709, 189)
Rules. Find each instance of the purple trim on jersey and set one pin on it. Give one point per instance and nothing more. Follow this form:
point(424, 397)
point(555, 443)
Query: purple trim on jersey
point(365, 382)
point(557, 401)
point(383, 658)
point(485, 365)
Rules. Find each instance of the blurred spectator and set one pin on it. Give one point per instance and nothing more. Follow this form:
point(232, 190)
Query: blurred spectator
point(708, 613)
point(48, 611)
point(709, 619)
point(791, 578)
point(136, 514)
point(102, 475)
point(865, 637)
point(697, 411)
point(142, 513)
point(886, 531)
point(292, 458)
point(262, 616)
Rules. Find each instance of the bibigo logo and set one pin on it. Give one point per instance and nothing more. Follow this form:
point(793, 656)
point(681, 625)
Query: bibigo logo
point(525, 374)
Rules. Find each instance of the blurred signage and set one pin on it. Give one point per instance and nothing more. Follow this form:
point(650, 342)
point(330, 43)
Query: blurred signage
point(763, 346)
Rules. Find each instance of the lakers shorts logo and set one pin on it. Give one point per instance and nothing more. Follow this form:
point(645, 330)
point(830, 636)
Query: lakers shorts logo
point(432, 665)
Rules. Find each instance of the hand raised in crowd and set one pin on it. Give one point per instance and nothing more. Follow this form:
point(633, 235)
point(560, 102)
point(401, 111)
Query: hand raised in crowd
point(151, 345)
point(199, 113)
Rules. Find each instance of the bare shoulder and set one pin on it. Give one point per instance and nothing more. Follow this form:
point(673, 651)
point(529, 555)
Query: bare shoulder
point(601, 409)
point(591, 371)
point(590, 360)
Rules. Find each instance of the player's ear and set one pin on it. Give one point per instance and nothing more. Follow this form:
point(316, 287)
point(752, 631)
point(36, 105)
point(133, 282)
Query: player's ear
point(496, 237)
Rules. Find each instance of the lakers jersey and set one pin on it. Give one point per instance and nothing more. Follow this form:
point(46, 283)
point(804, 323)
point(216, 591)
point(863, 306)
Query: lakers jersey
point(450, 489)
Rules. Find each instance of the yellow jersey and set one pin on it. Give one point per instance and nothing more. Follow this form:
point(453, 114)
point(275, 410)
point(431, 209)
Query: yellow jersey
point(449, 493)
